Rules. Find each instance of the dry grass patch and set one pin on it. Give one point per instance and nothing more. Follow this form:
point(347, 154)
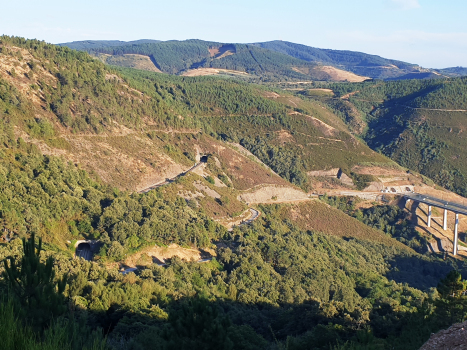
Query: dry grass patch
point(211, 71)
point(133, 61)
point(319, 216)
point(243, 172)
point(274, 194)
point(160, 255)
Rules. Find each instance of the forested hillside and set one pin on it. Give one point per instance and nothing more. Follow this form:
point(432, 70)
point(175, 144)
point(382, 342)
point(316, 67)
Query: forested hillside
point(360, 63)
point(76, 137)
point(179, 57)
point(272, 61)
point(417, 123)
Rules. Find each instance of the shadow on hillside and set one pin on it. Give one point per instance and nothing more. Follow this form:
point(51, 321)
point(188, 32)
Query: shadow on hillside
point(388, 127)
point(420, 273)
point(253, 325)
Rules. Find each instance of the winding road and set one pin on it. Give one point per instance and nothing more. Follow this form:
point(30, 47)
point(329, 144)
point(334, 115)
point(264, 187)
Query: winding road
point(254, 215)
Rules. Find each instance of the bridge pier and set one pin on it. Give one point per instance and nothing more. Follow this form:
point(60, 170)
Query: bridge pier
point(428, 223)
point(445, 220)
point(454, 252)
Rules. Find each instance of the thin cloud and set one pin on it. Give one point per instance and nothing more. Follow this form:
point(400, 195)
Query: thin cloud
point(404, 4)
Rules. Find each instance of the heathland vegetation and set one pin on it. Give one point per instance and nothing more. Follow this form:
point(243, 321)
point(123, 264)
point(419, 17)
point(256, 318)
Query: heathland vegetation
point(283, 282)
point(417, 123)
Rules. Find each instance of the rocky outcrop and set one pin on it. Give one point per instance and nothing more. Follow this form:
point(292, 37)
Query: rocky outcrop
point(453, 338)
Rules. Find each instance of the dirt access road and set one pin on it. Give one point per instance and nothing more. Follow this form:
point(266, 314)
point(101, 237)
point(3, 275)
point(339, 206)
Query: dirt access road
point(167, 181)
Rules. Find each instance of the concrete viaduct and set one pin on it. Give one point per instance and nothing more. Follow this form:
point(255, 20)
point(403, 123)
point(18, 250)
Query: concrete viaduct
point(443, 204)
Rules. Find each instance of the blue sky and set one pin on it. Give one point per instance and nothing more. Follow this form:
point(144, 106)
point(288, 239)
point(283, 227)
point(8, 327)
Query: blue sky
point(432, 33)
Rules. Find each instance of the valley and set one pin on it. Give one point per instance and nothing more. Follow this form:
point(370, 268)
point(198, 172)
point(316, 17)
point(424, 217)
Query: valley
point(270, 198)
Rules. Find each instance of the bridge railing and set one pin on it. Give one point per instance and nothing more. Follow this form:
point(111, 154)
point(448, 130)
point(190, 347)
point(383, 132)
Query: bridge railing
point(452, 198)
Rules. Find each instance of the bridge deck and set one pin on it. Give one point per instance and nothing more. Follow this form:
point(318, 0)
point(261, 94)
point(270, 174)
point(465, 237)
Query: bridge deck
point(437, 202)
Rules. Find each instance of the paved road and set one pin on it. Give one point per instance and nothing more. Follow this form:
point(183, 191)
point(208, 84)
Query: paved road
point(167, 181)
point(254, 216)
point(438, 202)
point(84, 251)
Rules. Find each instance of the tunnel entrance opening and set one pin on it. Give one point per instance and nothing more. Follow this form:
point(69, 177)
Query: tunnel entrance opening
point(204, 159)
point(83, 250)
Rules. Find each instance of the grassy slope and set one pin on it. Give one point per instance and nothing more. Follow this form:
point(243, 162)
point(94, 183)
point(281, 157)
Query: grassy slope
point(318, 216)
point(124, 141)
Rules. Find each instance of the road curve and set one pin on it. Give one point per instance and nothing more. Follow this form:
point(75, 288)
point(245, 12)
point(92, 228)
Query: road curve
point(254, 215)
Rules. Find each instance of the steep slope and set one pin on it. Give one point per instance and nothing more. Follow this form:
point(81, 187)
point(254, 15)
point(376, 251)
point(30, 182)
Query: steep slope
point(134, 130)
point(417, 123)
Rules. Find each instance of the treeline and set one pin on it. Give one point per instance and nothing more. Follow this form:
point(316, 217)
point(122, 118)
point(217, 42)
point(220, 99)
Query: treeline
point(169, 56)
point(360, 63)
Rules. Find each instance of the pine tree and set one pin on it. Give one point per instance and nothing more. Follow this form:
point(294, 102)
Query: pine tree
point(33, 283)
point(452, 306)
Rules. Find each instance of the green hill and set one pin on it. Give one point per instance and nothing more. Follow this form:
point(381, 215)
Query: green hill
point(360, 63)
point(286, 280)
point(176, 57)
point(266, 59)
point(102, 44)
point(418, 123)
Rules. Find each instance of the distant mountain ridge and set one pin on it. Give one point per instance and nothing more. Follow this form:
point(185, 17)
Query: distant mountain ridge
point(359, 63)
point(86, 45)
point(182, 57)
point(271, 60)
